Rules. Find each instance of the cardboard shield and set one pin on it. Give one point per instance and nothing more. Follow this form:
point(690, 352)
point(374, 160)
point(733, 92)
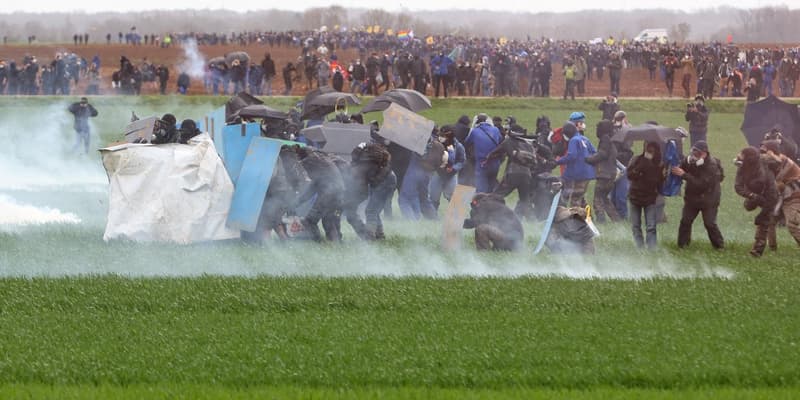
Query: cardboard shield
point(454, 217)
point(237, 140)
point(406, 128)
point(338, 138)
point(141, 130)
point(251, 187)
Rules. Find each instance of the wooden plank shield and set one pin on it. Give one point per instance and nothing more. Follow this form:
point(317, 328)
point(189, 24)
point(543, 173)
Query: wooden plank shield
point(406, 128)
point(454, 218)
point(251, 187)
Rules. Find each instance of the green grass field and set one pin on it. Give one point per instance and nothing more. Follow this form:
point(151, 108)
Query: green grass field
point(81, 318)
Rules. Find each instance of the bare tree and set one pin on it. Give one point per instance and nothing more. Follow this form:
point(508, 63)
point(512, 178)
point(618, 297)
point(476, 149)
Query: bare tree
point(379, 17)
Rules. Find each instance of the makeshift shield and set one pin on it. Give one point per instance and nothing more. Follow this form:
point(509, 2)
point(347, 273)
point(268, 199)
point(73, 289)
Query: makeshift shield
point(406, 128)
point(237, 140)
point(454, 217)
point(192, 192)
point(251, 187)
point(548, 225)
point(213, 123)
point(141, 130)
point(338, 138)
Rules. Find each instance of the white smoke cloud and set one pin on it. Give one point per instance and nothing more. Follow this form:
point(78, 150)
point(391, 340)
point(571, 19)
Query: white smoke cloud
point(39, 156)
point(13, 214)
point(194, 61)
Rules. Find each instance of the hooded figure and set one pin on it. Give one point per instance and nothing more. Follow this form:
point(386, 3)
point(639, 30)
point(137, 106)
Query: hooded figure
point(756, 183)
point(328, 186)
point(496, 226)
point(605, 168)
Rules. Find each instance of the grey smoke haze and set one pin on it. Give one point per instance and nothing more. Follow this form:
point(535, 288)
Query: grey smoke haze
point(768, 24)
point(193, 60)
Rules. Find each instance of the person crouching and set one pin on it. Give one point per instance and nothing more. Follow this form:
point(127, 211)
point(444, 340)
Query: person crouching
point(496, 226)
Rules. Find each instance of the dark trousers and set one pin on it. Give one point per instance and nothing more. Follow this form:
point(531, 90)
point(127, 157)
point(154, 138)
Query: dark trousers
point(522, 183)
point(439, 80)
point(688, 216)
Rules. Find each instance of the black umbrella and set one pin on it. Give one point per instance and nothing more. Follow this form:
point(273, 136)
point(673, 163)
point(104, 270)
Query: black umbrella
point(216, 61)
point(762, 116)
point(238, 102)
point(410, 99)
point(323, 101)
point(242, 56)
point(262, 111)
point(649, 133)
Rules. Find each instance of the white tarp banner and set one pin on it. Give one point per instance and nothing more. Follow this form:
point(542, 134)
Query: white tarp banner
point(167, 193)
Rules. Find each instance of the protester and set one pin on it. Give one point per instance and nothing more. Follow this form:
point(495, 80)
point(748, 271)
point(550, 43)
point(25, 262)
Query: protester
point(82, 111)
point(703, 175)
point(577, 172)
point(484, 137)
point(697, 115)
point(444, 180)
point(646, 175)
point(787, 175)
point(756, 183)
point(496, 226)
point(605, 169)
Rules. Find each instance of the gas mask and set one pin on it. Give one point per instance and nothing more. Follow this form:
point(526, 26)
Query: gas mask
point(695, 160)
point(737, 162)
point(648, 155)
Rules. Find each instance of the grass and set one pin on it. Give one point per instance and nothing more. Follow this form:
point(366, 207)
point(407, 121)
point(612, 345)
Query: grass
point(80, 318)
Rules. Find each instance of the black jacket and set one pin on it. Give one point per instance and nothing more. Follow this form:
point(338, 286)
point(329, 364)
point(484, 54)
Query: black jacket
point(605, 160)
point(491, 210)
point(703, 182)
point(646, 177)
point(757, 186)
point(698, 119)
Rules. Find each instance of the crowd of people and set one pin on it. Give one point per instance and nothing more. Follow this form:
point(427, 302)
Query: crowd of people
point(464, 66)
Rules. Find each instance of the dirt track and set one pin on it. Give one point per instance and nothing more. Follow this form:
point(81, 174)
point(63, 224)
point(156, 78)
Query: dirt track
point(635, 82)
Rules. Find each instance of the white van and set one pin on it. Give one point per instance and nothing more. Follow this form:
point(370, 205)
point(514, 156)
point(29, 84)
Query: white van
point(648, 35)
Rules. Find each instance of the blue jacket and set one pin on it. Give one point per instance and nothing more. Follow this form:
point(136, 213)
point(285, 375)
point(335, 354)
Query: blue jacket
point(672, 185)
point(440, 64)
point(455, 158)
point(577, 169)
point(484, 137)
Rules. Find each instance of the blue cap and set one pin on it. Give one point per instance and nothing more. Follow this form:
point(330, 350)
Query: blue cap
point(577, 116)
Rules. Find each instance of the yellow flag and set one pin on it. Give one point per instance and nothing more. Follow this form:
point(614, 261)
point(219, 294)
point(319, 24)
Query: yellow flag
point(369, 29)
point(376, 29)
point(429, 40)
point(503, 40)
point(390, 32)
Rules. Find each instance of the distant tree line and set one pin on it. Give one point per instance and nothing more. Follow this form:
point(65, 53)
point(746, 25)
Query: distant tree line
point(760, 25)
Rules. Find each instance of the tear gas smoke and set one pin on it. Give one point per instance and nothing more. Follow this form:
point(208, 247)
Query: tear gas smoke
point(194, 61)
point(39, 155)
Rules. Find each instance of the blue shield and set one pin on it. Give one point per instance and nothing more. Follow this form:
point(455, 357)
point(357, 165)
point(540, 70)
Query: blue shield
point(213, 123)
point(237, 140)
point(251, 187)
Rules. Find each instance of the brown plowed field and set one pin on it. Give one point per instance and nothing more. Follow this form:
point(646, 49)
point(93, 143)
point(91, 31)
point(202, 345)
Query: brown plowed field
point(635, 82)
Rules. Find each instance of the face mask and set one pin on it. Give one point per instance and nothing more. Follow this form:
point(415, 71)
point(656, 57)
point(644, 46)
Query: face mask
point(648, 156)
point(700, 162)
point(737, 162)
point(442, 139)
